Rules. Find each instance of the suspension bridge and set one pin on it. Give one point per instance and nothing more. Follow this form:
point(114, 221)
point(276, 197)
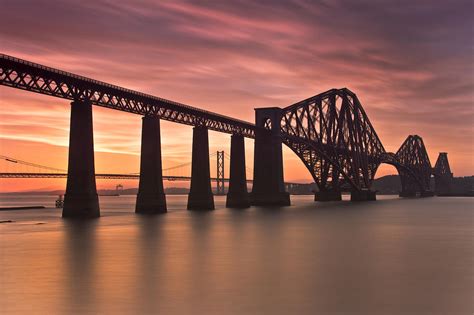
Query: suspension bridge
point(330, 132)
point(12, 169)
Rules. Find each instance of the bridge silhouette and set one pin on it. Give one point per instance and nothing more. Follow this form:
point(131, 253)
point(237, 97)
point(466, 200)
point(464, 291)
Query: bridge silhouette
point(330, 133)
point(174, 173)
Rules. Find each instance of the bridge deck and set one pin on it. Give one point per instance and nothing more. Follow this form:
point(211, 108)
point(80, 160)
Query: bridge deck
point(108, 176)
point(26, 75)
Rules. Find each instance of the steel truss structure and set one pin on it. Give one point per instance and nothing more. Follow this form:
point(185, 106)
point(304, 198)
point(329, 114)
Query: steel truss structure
point(329, 132)
point(413, 165)
point(220, 188)
point(29, 76)
point(341, 147)
point(441, 167)
point(442, 174)
point(333, 136)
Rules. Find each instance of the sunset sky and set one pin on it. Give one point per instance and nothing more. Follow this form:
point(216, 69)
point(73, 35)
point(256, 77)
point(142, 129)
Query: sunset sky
point(409, 62)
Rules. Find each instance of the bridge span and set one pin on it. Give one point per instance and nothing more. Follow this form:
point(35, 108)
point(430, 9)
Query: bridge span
point(330, 133)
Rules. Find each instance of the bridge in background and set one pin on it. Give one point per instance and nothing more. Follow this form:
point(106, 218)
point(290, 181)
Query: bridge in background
point(330, 132)
point(174, 173)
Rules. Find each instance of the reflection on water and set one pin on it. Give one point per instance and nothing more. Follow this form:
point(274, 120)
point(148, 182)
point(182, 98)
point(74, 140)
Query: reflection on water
point(388, 257)
point(80, 262)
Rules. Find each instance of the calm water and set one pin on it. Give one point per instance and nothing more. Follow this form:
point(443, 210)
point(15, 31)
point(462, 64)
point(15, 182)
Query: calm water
point(393, 256)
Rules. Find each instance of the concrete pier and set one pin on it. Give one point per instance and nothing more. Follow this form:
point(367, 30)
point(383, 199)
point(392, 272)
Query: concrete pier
point(328, 195)
point(80, 200)
point(237, 196)
point(363, 195)
point(268, 184)
point(151, 197)
point(407, 194)
point(427, 193)
point(200, 195)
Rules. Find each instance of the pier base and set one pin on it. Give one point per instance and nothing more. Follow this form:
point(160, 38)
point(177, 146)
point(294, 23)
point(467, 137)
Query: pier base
point(151, 197)
point(407, 194)
point(200, 194)
point(329, 195)
point(363, 195)
point(264, 199)
point(237, 196)
point(427, 193)
point(81, 200)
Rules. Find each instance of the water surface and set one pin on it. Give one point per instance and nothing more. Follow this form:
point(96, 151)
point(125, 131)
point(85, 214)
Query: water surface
point(393, 256)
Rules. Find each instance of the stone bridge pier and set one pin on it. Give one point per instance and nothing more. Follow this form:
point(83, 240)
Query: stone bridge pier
point(200, 194)
point(237, 196)
point(328, 195)
point(151, 197)
point(363, 195)
point(268, 184)
point(81, 200)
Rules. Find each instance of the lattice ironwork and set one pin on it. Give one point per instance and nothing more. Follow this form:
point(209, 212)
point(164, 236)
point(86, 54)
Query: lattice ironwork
point(220, 189)
point(340, 147)
point(333, 136)
point(25, 75)
point(443, 175)
point(412, 155)
point(268, 124)
point(441, 167)
point(330, 132)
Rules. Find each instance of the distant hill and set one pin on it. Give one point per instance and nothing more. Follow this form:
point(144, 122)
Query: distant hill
point(387, 185)
point(391, 185)
point(101, 192)
point(463, 185)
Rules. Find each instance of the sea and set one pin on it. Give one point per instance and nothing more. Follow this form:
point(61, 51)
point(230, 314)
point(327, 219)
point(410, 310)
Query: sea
point(390, 256)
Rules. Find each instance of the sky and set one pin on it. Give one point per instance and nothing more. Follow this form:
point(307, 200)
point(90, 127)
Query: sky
point(409, 62)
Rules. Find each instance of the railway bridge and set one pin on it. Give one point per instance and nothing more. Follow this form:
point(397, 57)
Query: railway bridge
point(330, 133)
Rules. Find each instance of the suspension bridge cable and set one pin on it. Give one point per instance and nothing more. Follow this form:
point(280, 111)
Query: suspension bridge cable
point(13, 160)
point(248, 169)
point(185, 164)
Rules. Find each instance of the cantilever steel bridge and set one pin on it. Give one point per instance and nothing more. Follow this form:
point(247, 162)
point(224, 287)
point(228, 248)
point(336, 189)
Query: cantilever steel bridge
point(330, 132)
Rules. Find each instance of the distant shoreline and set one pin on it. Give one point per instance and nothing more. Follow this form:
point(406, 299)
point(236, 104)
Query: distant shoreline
point(21, 208)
